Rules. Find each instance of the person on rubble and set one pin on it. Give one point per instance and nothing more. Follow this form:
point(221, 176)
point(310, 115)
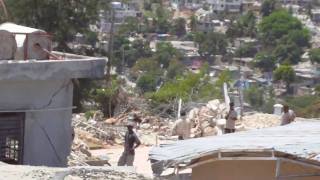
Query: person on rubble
point(231, 118)
point(182, 127)
point(131, 142)
point(288, 116)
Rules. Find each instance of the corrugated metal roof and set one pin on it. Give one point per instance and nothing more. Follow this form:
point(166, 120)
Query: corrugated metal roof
point(300, 139)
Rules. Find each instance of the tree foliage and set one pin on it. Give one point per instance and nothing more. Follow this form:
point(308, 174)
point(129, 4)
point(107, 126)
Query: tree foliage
point(287, 53)
point(179, 27)
point(315, 55)
point(193, 23)
point(277, 25)
point(211, 44)
point(267, 7)
point(61, 18)
point(305, 106)
point(165, 52)
point(284, 36)
point(161, 19)
point(265, 62)
point(176, 68)
point(286, 74)
point(147, 82)
point(254, 95)
point(247, 50)
point(245, 26)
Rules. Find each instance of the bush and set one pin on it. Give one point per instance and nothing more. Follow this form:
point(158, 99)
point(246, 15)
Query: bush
point(89, 114)
point(147, 83)
point(305, 106)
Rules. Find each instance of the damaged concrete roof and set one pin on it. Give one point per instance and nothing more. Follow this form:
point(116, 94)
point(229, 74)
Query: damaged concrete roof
point(300, 139)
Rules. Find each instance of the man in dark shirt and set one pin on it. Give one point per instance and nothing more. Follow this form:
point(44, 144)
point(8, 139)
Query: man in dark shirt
point(131, 142)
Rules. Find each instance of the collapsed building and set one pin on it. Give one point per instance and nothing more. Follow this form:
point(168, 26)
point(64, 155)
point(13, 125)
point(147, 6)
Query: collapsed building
point(36, 95)
point(283, 152)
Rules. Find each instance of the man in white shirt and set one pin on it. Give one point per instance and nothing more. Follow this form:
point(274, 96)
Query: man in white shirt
point(288, 116)
point(182, 127)
point(231, 120)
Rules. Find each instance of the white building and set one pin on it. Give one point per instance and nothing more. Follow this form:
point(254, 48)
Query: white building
point(226, 5)
point(298, 2)
point(315, 15)
point(121, 12)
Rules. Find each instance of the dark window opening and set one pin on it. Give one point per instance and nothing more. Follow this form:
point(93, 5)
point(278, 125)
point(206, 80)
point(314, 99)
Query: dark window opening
point(11, 137)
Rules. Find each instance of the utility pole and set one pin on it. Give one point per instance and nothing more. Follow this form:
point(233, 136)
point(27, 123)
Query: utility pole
point(110, 51)
point(110, 46)
point(240, 88)
point(122, 63)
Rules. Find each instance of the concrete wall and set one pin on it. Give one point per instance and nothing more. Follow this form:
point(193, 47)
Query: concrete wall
point(40, 100)
point(249, 170)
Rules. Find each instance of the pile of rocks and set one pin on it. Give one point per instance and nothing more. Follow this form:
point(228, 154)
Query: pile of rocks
point(259, 120)
point(208, 119)
point(70, 173)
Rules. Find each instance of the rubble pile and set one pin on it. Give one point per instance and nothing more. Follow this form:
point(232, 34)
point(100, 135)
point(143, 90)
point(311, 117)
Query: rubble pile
point(80, 153)
point(112, 174)
point(259, 120)
point(71, 173)
point(208, 119)
point(98, 128)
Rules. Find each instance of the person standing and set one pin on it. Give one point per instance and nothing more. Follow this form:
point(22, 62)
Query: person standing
point(288, 116)
point(131, 142)
point(182, 127)
point(231, 120)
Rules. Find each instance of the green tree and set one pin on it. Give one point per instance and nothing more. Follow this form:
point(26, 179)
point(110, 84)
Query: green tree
point(211, 44)
point(179, 27)
point(130, 25)
point(147, 82)
point(244, 26)
point(165, 52)
point(300, 37)
point(176, 68)
point(146, 65)
point(317, 90)
point(265, 62)
point(267, 7)
point(162, 17)
point(61, 18)
point(254, 95)
point(106, 97)
point(136, 50)
point(287, 53)
point(315, 55)
point(277, 25)
point(193, 23)
point(247, 50)
point(286, 74)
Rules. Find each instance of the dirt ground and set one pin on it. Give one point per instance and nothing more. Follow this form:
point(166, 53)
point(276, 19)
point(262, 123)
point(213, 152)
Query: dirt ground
point(141, 163)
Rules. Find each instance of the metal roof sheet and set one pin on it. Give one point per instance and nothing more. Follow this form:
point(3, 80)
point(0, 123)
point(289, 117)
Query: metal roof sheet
point(300, 139)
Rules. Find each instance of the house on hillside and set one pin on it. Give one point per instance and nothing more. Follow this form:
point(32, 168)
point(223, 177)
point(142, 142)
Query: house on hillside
point(315, 15)
point(283, 152)
point(230, 6)
point(121, 12)
point(297, 2)
point(36, 97)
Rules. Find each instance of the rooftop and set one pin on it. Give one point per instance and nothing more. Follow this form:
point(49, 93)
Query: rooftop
point(299, 141)
point(70, 66)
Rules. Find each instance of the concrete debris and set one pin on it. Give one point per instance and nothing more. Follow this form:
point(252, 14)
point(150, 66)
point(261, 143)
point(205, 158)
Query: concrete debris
point(209, 119)
point(74, 173)
point(206, 117)
point(259, 121)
